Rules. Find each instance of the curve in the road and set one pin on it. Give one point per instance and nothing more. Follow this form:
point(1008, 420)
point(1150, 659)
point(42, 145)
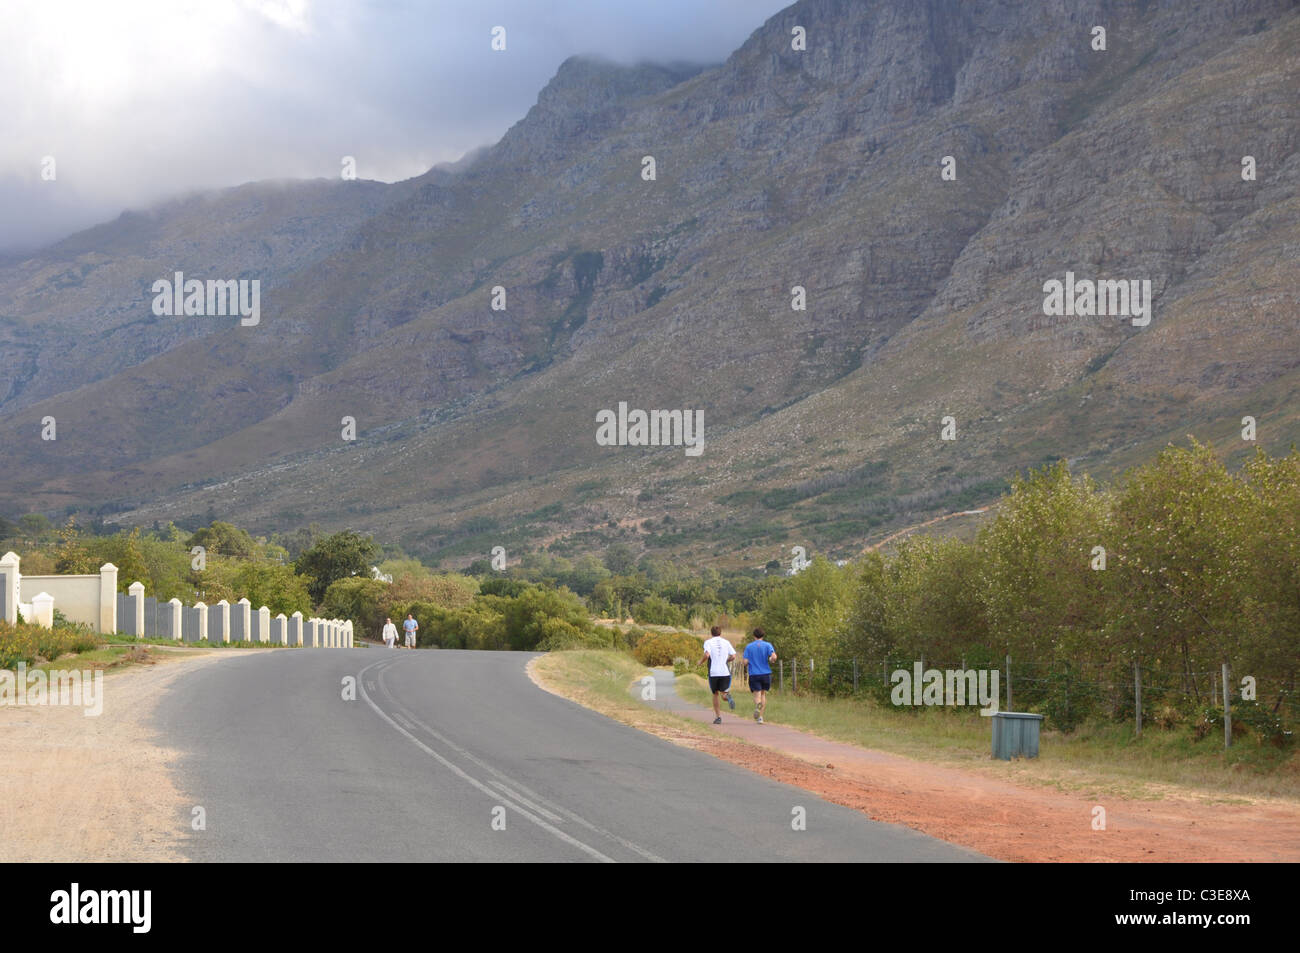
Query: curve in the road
point(440, 750)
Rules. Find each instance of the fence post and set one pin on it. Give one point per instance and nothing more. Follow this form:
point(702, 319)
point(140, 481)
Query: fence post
point(855, 675)
point(135, 605)
point(795, 663)
point(1010, 707)
point(1227, 708)
point(781, 680)
point(1137, 697)
point(1067, 690)
point(108, 599)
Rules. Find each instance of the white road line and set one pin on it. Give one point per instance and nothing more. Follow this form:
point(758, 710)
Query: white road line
point(510, 792)
point(544, 825)
point(533, 799)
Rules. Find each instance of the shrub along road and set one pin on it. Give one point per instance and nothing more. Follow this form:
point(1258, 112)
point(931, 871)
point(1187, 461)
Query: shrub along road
point(440, 748)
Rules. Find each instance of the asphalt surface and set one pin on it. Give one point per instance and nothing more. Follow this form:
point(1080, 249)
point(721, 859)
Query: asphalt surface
point(440, 750)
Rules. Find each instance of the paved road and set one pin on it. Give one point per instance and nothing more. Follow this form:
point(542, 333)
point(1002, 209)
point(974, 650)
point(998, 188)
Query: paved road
point(438, 745)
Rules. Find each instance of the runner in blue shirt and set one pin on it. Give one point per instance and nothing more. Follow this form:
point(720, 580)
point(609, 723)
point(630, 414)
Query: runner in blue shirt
point(759, 656)
point(411, 627)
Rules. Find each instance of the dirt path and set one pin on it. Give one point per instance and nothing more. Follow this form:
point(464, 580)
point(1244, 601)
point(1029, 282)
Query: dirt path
point(999, 818)
point(78, 789)
point(1007, 820)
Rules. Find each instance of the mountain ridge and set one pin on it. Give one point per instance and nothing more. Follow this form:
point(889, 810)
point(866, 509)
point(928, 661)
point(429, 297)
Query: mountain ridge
point(774, 169)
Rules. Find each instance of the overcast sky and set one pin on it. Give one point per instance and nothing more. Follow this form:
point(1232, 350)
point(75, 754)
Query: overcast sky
point(139, 100)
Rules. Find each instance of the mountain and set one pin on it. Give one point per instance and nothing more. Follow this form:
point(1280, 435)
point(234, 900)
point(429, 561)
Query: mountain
point(818, 168)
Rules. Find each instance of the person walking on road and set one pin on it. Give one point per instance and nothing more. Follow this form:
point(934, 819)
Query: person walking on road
point(759, 656)
point(718, 653)
point(390, 634)
point(411, 627)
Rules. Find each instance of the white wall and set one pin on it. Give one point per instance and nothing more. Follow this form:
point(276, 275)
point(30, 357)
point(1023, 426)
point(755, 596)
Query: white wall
point(77, 597)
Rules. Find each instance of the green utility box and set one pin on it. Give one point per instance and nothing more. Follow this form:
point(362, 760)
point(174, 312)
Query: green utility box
point(1015, 735)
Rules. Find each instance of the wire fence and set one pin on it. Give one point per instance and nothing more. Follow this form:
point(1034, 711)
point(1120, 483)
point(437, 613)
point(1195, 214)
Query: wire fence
point(1065, 693)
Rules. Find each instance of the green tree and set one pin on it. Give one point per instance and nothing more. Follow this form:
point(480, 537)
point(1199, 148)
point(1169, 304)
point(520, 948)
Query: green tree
point(803, 615)
point(361, 599)
point(1270, 644)
point(273, 585)
point(225, 539)
point(35, 527)
point(72, 556)
point(619, 560)
point(334, 557)
point(1040, 592)
point(126, 552)
point(1181, 525)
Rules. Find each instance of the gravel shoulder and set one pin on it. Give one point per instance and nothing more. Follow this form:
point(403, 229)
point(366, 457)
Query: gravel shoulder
point(82, 789)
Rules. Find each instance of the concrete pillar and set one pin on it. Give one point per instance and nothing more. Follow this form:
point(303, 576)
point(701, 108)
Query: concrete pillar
point(9, 587)
point(43, 610)
point(108, 599)
point(295, 629)
point(219, 622)
point(262, 624)
point(134, 622)
point(332, 634)
point(347, 633)
point(202, 609)
point(241, 614)
point(169, 617)
point(280, 630)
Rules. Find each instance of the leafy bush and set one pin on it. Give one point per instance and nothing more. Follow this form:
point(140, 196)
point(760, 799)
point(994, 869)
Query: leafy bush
point(656, 610)
point(1167, 717)
point(1262, 722)
point(660, 648)
point(1069, 700)
point(559, 635)
point(33, 644)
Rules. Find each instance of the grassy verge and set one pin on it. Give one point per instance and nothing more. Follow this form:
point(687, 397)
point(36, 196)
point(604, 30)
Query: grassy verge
point(177, 643)
point(1100, 758)
point(67, 647)
point(601, 679)
point(110, 657)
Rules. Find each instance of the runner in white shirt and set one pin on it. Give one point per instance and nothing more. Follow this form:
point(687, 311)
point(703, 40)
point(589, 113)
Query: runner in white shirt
point(718, 653)
point(390, 634)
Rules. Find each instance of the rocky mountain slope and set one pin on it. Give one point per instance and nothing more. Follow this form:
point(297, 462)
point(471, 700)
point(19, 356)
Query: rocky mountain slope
point(818, 168)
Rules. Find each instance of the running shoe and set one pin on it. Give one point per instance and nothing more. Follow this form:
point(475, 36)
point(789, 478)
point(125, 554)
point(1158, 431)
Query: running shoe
point(731, 701)
point(717, 721)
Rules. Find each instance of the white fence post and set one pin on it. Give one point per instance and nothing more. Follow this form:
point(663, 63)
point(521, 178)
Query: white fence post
point(173, 614)
point(219, 622)
point(108, 599)
point(135, 591)
point(243, 611)
point(43, 609)
point(9, 587)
